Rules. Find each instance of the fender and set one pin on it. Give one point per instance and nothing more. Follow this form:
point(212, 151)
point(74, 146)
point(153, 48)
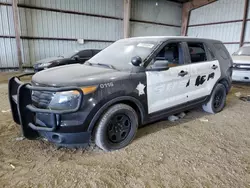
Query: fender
point(110, 103)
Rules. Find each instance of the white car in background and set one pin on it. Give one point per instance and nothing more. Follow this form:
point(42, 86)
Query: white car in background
point(241, 64)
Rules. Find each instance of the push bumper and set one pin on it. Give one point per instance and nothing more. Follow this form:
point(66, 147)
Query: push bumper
point(24, 113)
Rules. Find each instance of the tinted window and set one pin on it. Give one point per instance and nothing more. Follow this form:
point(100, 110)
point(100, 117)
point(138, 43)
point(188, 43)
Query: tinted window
point(70, 54)
point(197, 52)
point(85, 53)
point(172, 53)
point(222, 50)
point(96, 52)
point(211, 54)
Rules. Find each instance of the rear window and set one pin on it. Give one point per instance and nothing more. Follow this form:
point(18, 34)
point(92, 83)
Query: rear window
point(197, 52)
point(222, 50)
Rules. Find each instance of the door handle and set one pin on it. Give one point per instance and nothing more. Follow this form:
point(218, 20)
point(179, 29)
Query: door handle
point(182, 73)
point(214, 67)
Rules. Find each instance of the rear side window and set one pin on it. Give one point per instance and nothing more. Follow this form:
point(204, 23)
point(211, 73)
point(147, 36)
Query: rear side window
point(85, 53)
point(222, 50)
point(197, 52)
point(96, 52)
point(211, 54)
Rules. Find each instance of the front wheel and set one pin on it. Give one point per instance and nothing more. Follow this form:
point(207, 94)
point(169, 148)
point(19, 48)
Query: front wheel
point(217, 100)
point(116, 128)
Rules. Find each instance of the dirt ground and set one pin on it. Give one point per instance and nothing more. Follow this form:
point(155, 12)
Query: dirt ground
point(200, 150)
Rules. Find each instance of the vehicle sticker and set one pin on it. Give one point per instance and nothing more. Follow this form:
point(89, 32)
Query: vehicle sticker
point(145, 45)
point(106, 85)
point(140, 88)
point(201, 79)
point(188, 83)
point(210, 76)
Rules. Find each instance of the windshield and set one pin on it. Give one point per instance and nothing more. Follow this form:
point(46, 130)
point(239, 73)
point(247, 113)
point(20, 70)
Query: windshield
point(69, 54)
point(120, 53)
point(243, 51)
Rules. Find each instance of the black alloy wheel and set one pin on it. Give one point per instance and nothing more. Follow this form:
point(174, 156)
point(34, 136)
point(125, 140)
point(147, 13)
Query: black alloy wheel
point(119, 128)
point(116, 128)
point(218, 99)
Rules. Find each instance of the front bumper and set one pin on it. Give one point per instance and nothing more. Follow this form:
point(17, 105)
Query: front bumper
point(241, 75)
point(24, 113)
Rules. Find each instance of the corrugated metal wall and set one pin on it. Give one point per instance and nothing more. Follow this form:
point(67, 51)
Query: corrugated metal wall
point(229, 32)
point(220, 11)
point(145, 14)
point(101, 7)
point(51, 27)
point(8, 51)
point(46, 31)
point(5, 1)
point(33, 50)
point(40, 23)
point(247, 34)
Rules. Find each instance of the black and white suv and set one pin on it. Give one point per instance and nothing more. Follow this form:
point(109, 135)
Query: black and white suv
point(132, 82)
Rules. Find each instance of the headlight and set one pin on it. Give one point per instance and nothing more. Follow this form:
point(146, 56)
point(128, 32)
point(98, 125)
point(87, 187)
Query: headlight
point(44, 65)
point(69, 99)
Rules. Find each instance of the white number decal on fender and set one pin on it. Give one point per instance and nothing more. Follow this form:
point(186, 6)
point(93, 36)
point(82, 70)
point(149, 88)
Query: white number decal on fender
point(106, 85)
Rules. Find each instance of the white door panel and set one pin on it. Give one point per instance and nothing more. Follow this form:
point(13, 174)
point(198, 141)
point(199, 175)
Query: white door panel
point(203, 78)
point(166, 89)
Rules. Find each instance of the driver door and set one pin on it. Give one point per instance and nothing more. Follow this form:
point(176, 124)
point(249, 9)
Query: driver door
point(168, 88)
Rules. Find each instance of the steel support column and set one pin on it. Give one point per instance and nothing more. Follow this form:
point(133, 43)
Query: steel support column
point(126, 18)
point(243, 29)
point(17, 33)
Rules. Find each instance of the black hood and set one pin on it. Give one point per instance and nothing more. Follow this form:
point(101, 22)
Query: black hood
point(77, 75)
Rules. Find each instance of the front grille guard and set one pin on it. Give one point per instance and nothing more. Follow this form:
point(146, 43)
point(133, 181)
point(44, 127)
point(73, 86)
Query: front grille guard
point(23, 111)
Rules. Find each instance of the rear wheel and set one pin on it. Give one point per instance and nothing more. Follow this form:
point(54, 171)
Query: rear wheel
point(116, 128)
point(217, 101)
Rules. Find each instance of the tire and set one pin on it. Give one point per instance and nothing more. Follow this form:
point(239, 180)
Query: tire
point(217, 100)
point(116, 128)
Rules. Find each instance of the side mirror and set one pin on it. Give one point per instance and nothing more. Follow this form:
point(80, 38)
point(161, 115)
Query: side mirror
point(76, 58)
point(159, 65)
point(136, 61)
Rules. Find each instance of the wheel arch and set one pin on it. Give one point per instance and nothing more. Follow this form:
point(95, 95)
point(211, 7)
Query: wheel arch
point(128, 100)
point(225, 82)
point(222, 81)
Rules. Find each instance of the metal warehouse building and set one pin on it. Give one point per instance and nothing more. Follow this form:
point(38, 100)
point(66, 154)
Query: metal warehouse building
point(48, 28)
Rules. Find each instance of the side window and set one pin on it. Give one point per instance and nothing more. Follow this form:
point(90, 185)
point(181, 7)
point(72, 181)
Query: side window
point(197, 52)
point(222, 50)
point(172, 53)
point(96, 52)
point(211, 54)
point(85, 53)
